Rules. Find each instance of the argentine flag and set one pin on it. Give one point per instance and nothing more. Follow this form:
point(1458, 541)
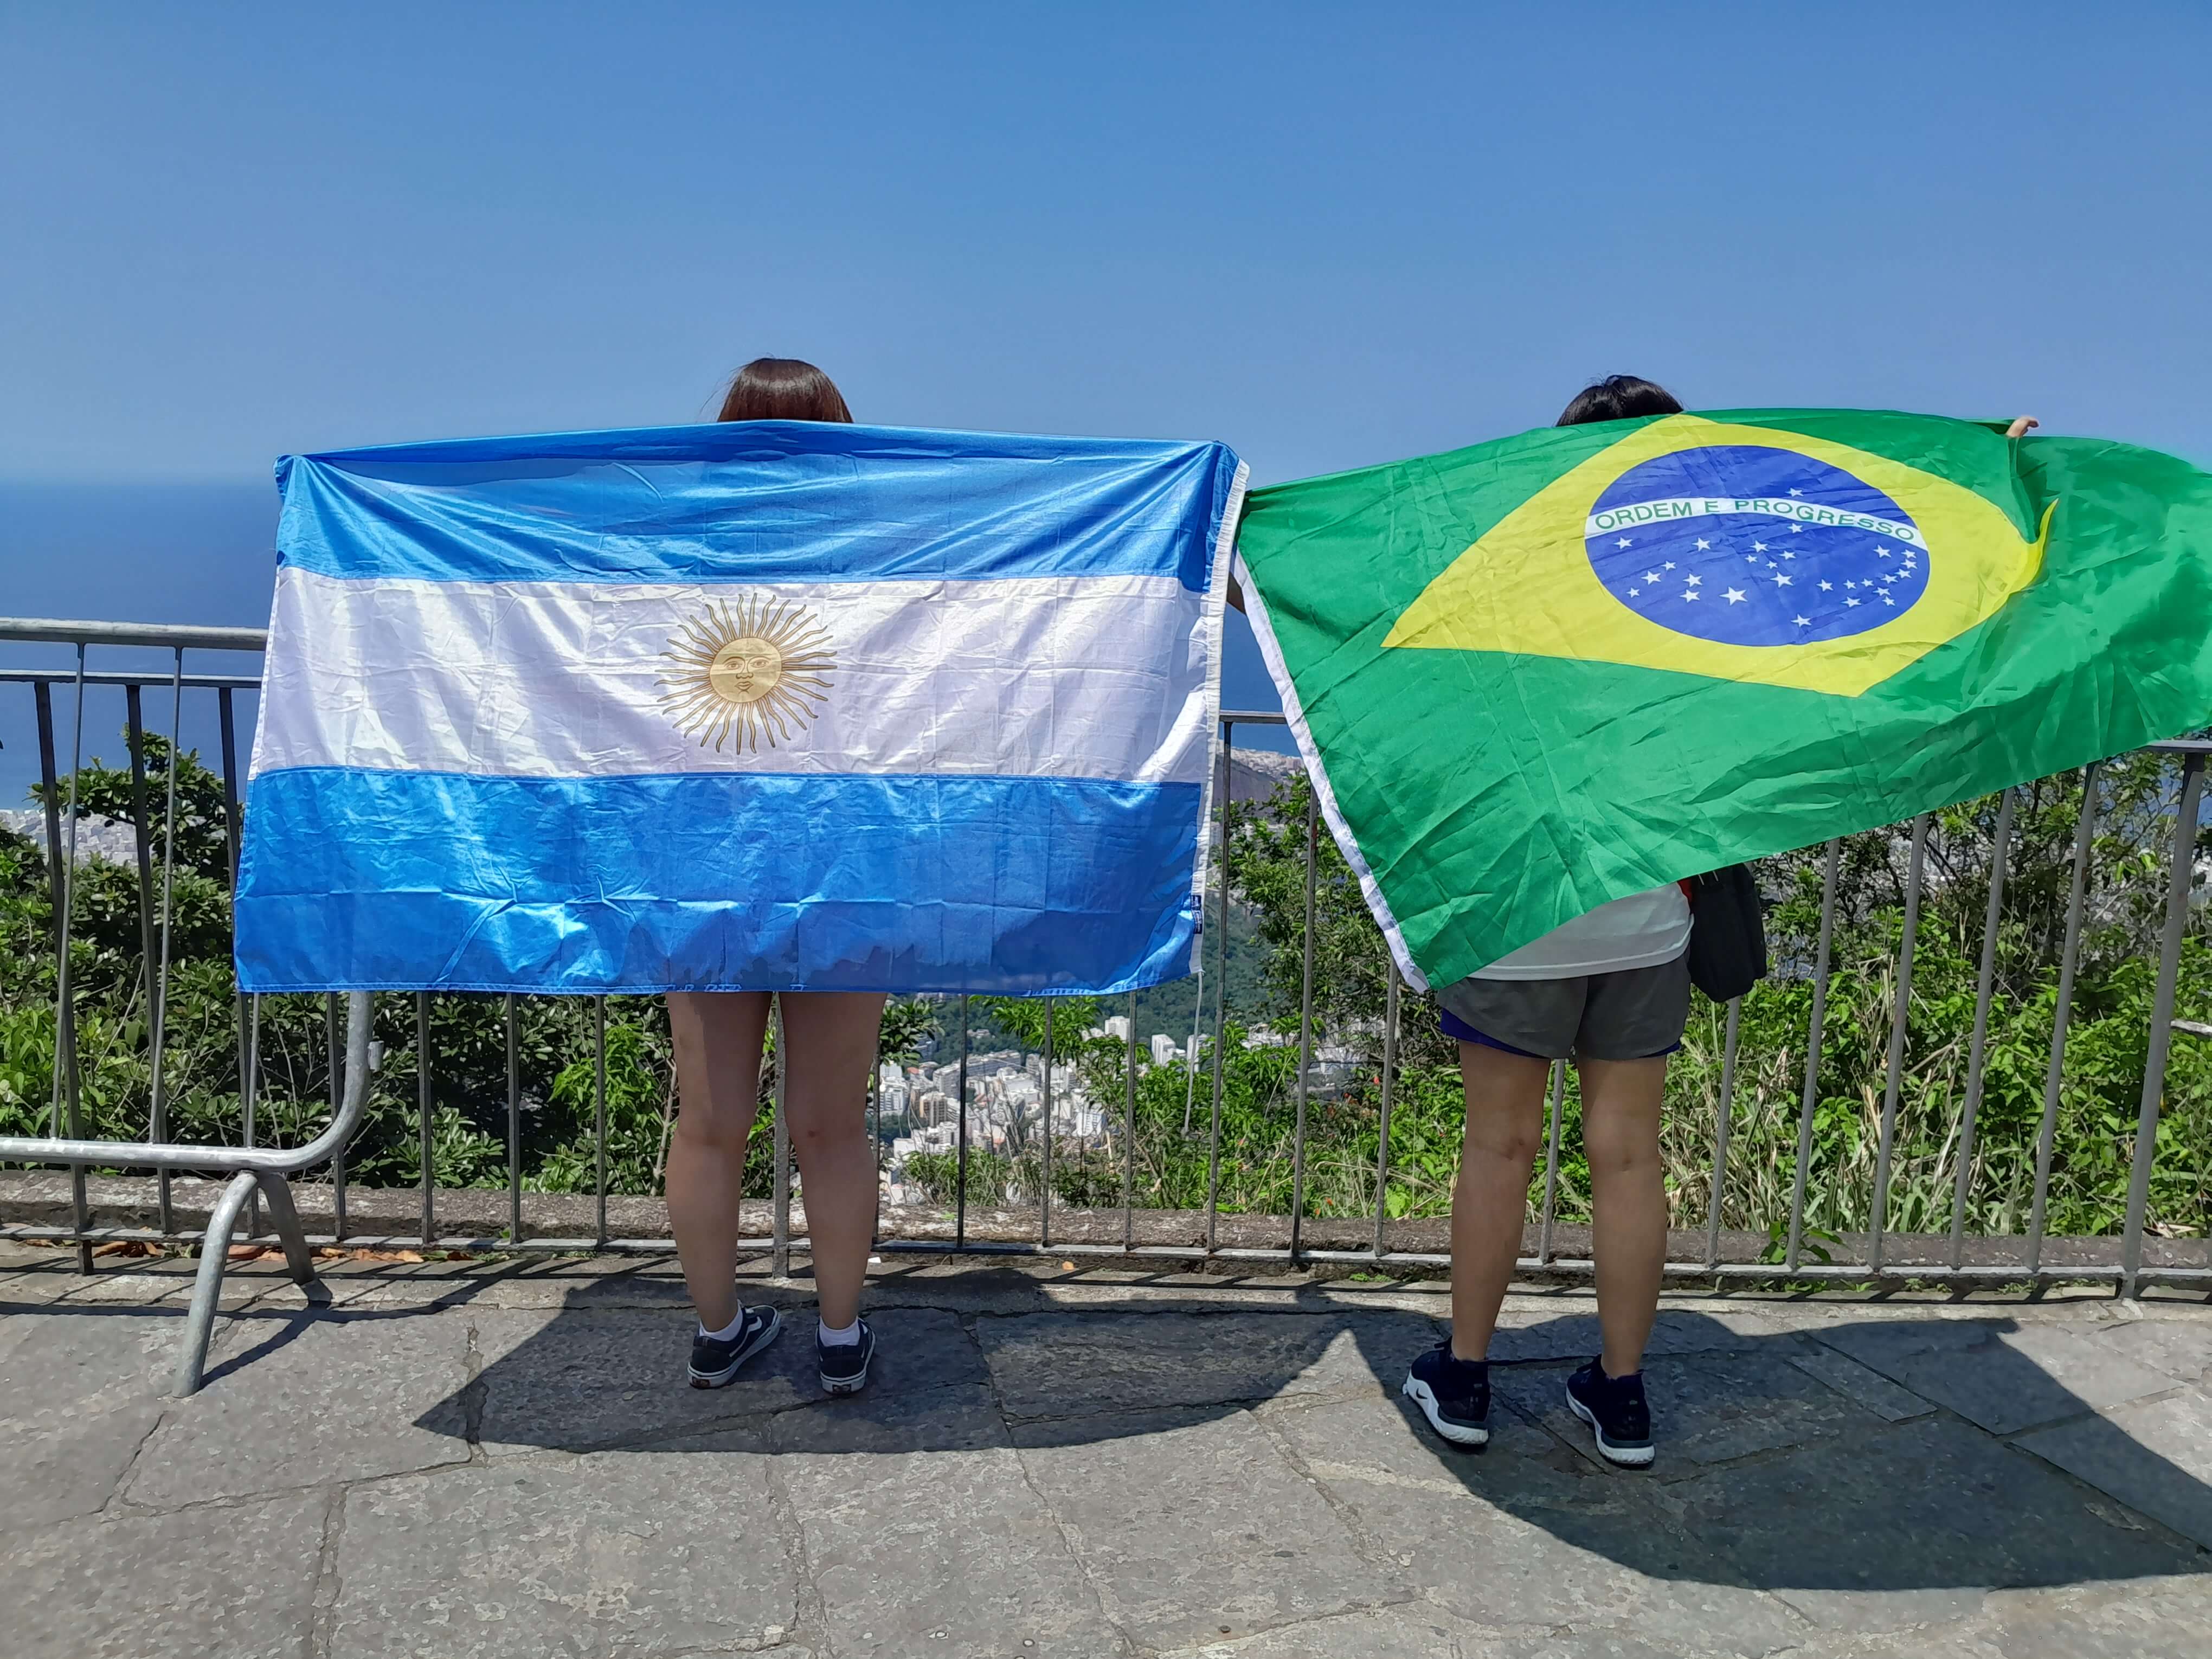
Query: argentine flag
point(757, 706)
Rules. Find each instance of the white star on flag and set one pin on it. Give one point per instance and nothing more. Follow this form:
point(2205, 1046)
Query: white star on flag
point(1633, 591)
point(1668, 565)
point(1850, 602)
point(1883, 551)
point(1797, 529)
point(1886, 599)
point(1651, 575)
point(1623, 542)
point(1759, 547)
point(1781, 582)
point(1696, 581)
point(1827, 588)
point(1704, 546)
point(1788, 556)
point(1689, 593)
point(1796, 492)
point(1735, 596)
point(1803, 622)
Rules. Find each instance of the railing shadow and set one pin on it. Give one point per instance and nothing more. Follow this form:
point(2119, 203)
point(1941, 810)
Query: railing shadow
point(1786, 1462)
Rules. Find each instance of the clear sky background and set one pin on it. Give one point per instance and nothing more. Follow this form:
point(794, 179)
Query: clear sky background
point(1328, 236)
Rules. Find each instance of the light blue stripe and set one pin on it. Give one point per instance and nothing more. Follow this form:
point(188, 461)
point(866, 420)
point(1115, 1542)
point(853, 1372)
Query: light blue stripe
point(356, 879)
point(757, 501)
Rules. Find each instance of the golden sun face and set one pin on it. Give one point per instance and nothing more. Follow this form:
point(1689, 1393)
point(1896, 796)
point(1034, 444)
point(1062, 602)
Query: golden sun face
point(754, 671)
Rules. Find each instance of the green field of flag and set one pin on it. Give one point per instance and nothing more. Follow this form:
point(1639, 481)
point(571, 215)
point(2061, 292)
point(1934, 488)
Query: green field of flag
point(1537, 674)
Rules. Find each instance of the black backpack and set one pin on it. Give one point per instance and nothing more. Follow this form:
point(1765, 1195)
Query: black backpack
point(1727, 933)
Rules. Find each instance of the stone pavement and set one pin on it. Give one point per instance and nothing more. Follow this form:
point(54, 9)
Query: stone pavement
point(455, 1460)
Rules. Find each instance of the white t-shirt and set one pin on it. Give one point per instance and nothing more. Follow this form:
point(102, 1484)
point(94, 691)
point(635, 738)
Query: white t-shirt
point(1640, 931)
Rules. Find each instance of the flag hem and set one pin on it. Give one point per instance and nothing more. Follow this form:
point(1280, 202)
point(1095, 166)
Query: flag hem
point(1255, 609)
point(1214, 621)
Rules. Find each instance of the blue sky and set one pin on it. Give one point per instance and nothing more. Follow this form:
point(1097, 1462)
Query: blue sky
point(1329, 236)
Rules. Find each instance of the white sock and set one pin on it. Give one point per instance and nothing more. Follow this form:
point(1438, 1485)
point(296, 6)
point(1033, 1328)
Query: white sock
point(728, 1331)
point(849, 1337)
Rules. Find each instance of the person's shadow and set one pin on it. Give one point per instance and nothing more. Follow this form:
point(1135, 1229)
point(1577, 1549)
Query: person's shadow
point(1929, 1454)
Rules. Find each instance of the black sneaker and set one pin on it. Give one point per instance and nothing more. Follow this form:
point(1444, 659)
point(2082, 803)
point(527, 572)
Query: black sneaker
point(1453, 1394)
point(845, 1364)
point(1616, 1412)
point(715, 1359)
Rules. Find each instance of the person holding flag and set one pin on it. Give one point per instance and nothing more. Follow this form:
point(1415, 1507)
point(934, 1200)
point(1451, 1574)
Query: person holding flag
point(828, 1046)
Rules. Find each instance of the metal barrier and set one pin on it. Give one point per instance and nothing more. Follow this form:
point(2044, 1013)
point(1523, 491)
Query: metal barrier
point(266, 1171)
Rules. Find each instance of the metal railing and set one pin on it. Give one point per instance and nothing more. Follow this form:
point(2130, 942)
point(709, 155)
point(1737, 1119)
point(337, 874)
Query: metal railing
point(259, 1170)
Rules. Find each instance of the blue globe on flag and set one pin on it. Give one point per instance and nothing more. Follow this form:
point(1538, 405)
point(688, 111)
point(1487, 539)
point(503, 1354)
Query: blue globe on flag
point(1750, 545)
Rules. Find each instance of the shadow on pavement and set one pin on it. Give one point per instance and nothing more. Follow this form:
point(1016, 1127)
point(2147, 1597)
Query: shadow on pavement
point(1875, 1454)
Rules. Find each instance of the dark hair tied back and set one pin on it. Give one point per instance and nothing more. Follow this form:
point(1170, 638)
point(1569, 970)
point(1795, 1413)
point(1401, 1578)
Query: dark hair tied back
point(1619, 397)
point(783, 389)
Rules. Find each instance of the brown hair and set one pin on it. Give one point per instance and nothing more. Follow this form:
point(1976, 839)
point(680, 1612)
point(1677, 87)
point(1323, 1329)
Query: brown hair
point(1620, 397)
point(783, 389)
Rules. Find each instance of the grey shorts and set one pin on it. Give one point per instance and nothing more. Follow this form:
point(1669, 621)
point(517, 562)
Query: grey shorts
point(1634, 1014)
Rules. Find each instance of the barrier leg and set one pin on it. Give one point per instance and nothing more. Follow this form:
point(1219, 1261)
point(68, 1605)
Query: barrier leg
point(284, 1216)
point(207, 1287)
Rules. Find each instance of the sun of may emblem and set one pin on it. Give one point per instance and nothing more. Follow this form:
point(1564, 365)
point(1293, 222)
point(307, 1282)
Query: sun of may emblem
point(754, 671)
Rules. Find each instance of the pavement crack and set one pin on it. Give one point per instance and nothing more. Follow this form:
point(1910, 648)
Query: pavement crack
point(810, 1626)
point(322, 1626)
point(473, 1391)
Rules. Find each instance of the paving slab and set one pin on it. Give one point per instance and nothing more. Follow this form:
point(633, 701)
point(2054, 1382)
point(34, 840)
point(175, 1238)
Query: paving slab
point(1526, 1533)
point(2002, 1374)
point(1064, 1364)
point(2180, 1347)
point(1910, 1525)
point(933, 1551)
point(1706, 1408)
point(1857, 1383)
point(1410, 1631)
point(309, 1400)
point(1546, 1332)
point(239, 1582)
point(1186, 1520)
point(2155, 1618)
point(79, 1393)
point(580, 1381)
point(632, 1553)
point(2154, 1455)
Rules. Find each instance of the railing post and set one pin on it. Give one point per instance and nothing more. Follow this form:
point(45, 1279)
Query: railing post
point(513, 1123)
point(1044, 1178)
point(61, 887)
point(340, 1055)
point(1220, 988)
point(1389, 1084)
point(2069, 955)
point(1977, 1046)
point(1814, 1028)
point(1720, 1125)
point(2179, 882)
point(1305, 1029)
point(1893, 1082)
point(1551, 1165)
point(159, 1126)
point(422, 1107)
point(960, 1165)
point(1129, 1131)
point(780, 1240)
point(599, 1119)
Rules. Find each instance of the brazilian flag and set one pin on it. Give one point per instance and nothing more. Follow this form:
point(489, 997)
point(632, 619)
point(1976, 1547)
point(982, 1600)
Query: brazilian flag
point(1541, 673)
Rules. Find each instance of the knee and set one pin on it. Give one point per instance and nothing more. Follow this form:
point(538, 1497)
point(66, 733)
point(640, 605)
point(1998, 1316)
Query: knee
point(811, 1137)
point(723, 1133)
point(1514, 1144)
point(1614, 1154)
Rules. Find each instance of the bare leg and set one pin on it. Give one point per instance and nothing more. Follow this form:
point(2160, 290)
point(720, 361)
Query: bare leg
point(831, 1036)
point(1490, 1200)
point(1620, 1136)
point(717, 1036)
